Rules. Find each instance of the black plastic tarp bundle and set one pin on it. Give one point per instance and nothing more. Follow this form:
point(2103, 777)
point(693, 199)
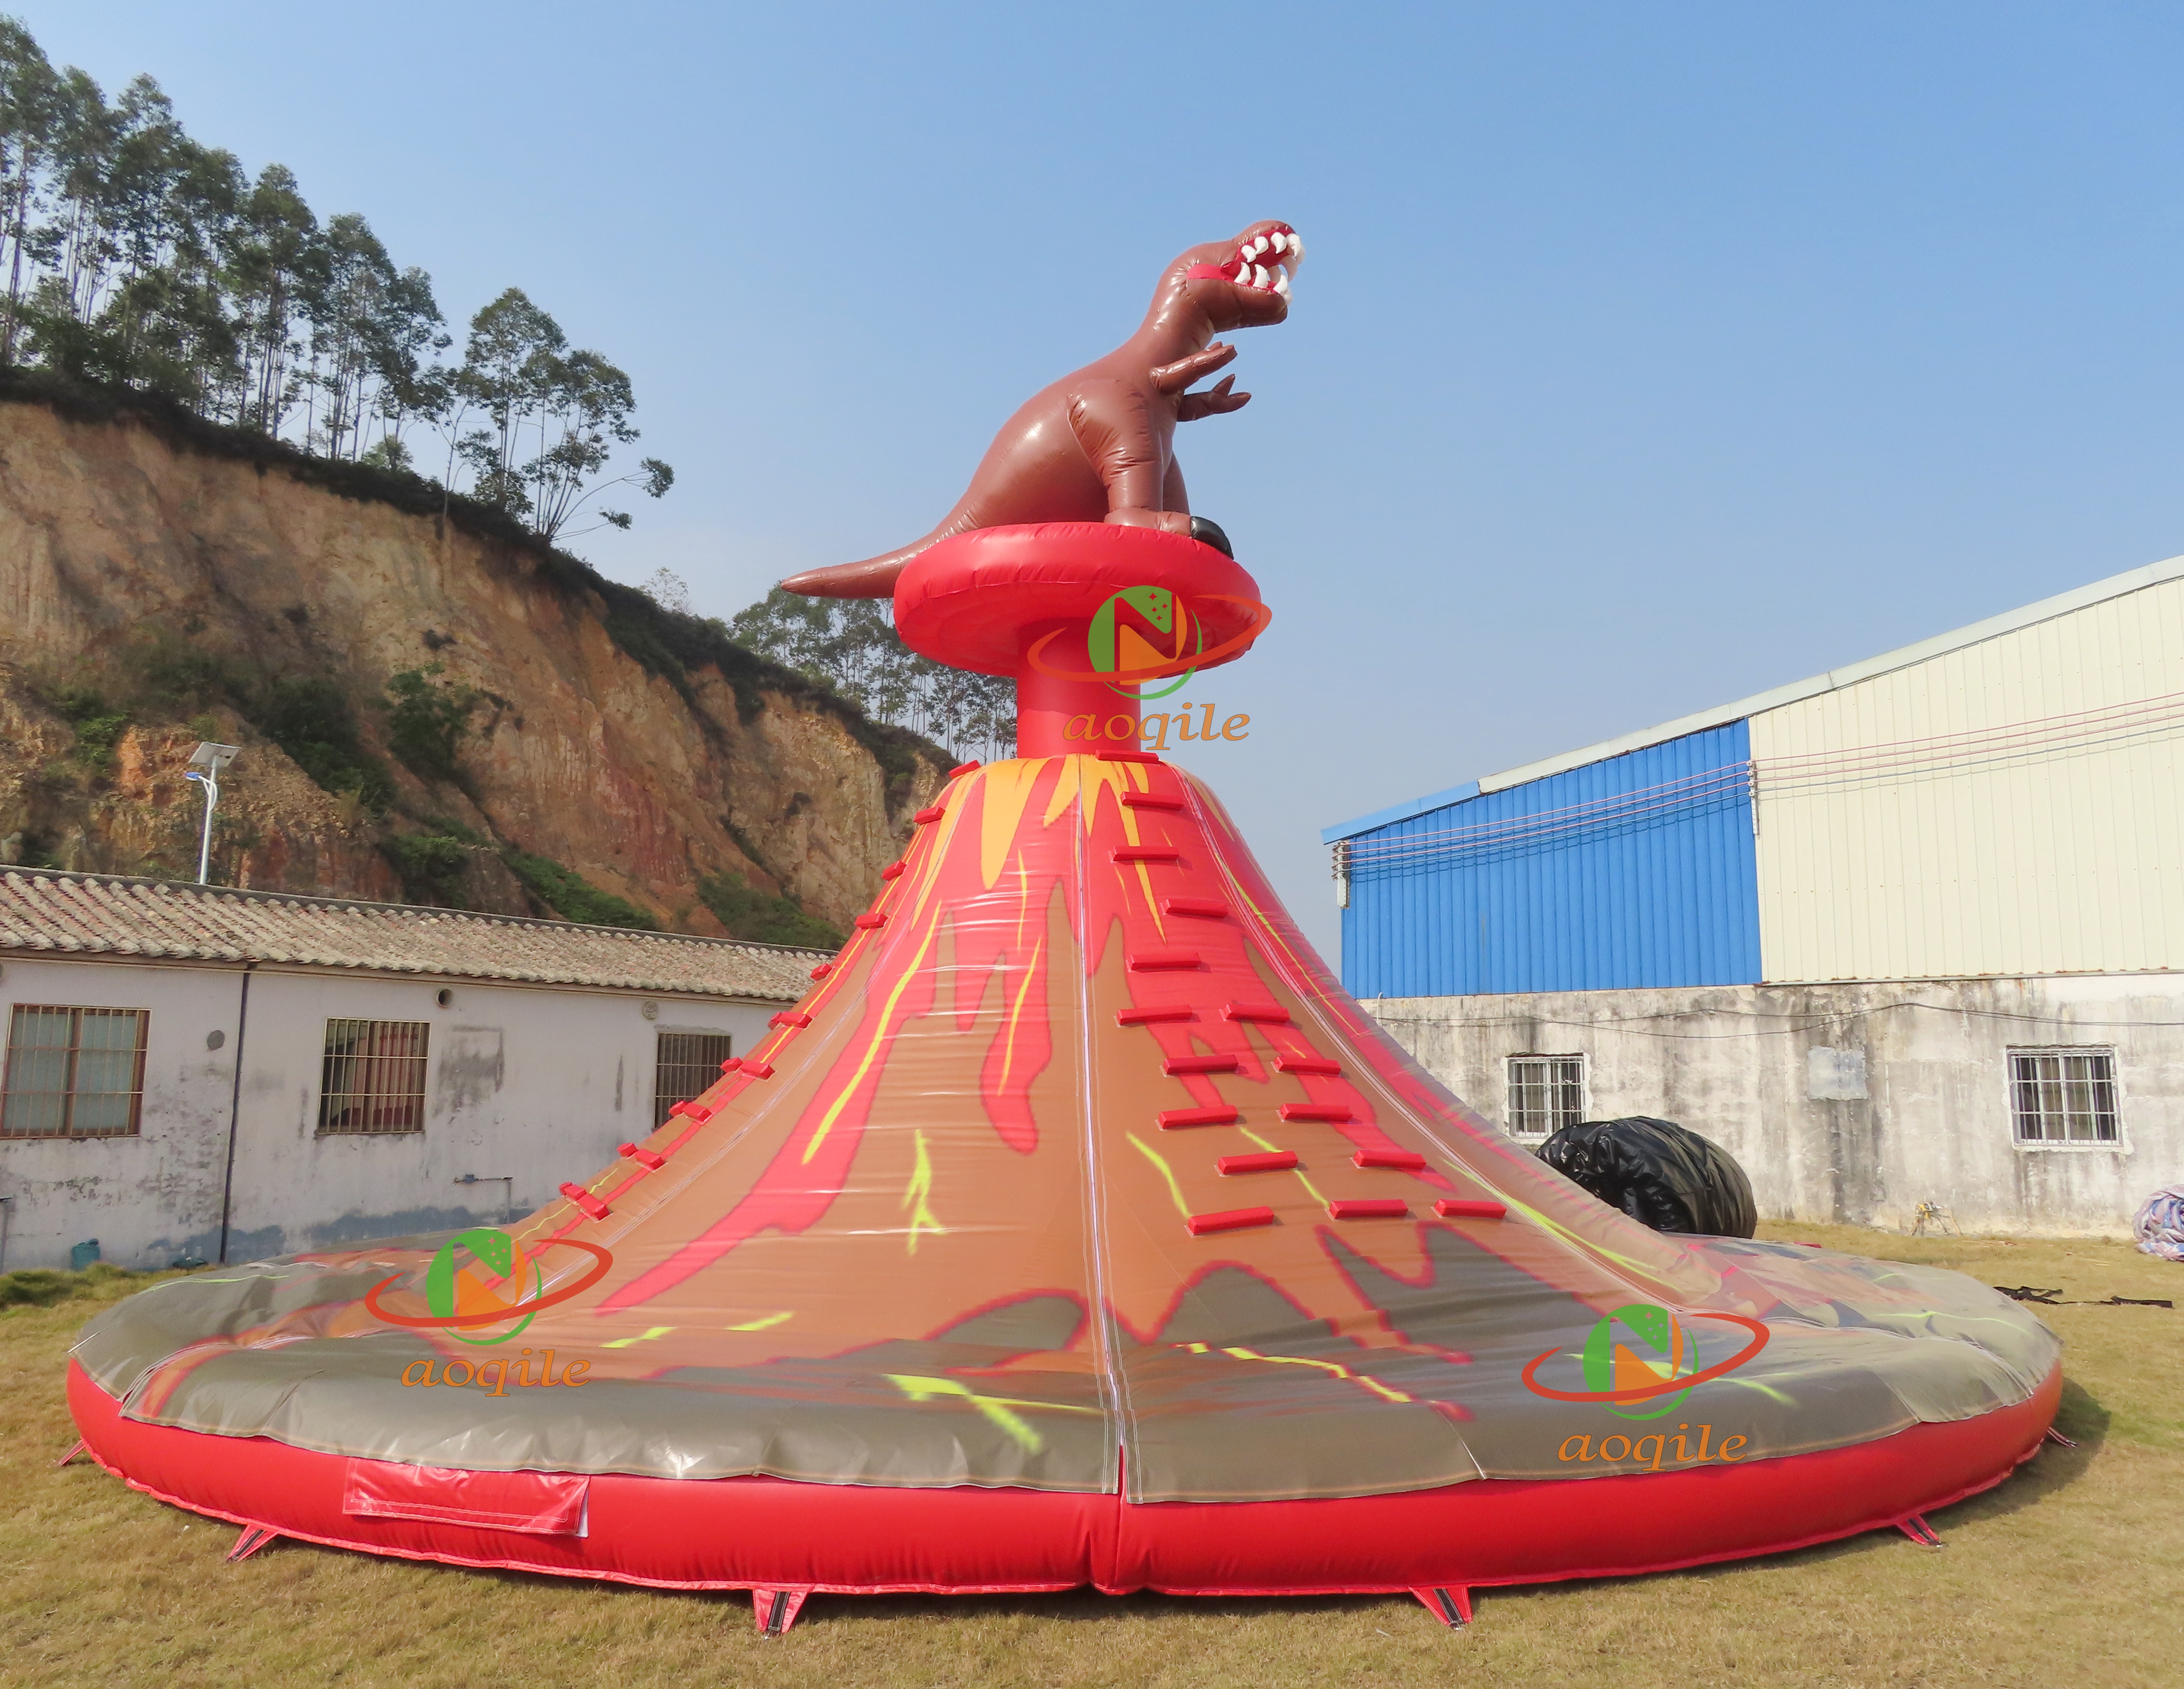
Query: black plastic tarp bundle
point(1662, 1174)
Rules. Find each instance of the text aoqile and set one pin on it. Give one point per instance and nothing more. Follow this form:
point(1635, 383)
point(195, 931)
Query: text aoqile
point(572, 1375)
point(1118, 728)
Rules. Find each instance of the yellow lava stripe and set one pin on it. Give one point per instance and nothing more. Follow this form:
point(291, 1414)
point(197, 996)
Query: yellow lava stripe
point(764, 1322)
point(1336, 1367)
point(1006, 790)
point(882, 1035)
point(1000, 1409)
point(1556, 1228)
point(624, 1342)
point(1015, 1017)
point(914, 1196)
point(1309, 1187)
point(1174, 1190)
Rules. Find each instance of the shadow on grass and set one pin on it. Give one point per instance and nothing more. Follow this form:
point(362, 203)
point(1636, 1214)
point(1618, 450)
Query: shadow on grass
point(1080, 1605)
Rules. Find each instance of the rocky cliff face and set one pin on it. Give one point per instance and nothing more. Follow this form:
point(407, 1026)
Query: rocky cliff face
point(575, 746)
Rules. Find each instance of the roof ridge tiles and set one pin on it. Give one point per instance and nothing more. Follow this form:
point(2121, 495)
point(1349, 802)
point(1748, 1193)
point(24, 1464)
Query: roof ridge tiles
point(58, 910)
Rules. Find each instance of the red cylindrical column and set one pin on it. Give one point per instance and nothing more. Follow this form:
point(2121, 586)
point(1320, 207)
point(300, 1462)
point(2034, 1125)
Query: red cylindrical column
point(1045, 705)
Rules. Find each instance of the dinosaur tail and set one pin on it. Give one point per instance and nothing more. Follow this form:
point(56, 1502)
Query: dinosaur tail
point(874, 578)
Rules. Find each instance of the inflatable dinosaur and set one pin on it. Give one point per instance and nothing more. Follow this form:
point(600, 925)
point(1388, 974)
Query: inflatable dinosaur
point(1099, 445)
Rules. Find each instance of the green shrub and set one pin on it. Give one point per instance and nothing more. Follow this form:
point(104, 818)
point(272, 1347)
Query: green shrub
point(426, 718)
point(431, 866)
point(311, 719)
point(574, 898)
point(98, 725)
point(748, 913)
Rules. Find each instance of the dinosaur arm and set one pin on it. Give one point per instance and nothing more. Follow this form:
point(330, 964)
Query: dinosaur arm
point(1216, 401)
point(1176, 376)
point(1113, 424)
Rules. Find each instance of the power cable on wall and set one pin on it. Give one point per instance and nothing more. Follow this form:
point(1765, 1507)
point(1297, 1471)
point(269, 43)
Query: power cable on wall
point(1614, 1023)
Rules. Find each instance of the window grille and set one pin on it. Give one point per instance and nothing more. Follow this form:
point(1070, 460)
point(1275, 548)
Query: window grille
point(73, 1072)
point(1546, 1093)
point(2065, 1096)
point(690, 1062)
point(373, 1079)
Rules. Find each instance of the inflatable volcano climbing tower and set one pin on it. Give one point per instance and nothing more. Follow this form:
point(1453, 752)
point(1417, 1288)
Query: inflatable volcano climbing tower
point(1075, 1228)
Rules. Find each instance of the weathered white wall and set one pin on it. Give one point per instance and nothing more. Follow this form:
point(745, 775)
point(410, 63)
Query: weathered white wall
point(1735, 1064)
point(535, 1084)
point(2047, 850)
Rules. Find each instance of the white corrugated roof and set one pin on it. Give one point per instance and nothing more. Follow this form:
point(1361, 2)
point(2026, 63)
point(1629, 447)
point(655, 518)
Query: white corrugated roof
point(2047, 608)
point(51, 913)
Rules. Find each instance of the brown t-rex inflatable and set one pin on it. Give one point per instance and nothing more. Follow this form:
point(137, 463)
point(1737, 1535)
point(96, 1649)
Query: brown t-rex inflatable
point(1099, 445)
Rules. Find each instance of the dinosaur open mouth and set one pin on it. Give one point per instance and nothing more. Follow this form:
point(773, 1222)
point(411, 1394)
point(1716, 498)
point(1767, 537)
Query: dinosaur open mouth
point(1265, 262)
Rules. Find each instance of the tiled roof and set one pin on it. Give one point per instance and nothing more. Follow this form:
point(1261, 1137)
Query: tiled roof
point(45, 911)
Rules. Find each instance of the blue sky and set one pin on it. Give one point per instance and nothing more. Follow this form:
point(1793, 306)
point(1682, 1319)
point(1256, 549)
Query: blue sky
point(1645, 356)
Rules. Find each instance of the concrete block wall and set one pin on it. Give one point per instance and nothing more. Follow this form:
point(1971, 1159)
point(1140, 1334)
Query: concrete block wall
point(1772, 1073)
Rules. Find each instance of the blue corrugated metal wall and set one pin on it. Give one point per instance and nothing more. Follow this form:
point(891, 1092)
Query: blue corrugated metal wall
point(1635, 870)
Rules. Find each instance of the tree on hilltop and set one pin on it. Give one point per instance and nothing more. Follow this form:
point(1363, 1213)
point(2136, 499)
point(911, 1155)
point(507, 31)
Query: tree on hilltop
point(133, 256)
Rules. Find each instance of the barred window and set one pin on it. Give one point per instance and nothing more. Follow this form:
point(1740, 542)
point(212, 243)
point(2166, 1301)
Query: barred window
point(1546, 1093)
point(690, 1062)
point(373, 1079)
point(2064, 1095)
point(73, 1072)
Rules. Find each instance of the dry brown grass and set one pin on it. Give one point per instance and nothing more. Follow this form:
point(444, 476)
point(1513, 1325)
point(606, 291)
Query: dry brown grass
point(2069, 1576)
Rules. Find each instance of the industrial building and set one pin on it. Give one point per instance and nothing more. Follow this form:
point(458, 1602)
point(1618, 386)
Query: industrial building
point(199, 1074)
point(1904, 935)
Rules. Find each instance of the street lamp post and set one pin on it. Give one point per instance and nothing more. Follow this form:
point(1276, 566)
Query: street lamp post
point(206, 763)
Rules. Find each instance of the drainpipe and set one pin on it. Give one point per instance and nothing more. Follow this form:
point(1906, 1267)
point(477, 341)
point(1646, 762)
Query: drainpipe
point(234, 1111)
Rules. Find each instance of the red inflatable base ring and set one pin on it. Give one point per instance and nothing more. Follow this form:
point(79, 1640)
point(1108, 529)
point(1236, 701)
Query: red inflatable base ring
point(743, 1533)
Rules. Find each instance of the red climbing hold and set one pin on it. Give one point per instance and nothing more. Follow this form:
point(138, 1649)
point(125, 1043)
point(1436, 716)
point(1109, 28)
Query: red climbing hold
point(1143, 853)
point(1367, 1209)
point(1128, 756)
point(962, 768)
point(730, 1065)
point(584, 1199)
point(1332, 1114)
point(1176, 1065)
point(928, 815)
point(827, 967)
point(1255, 1012)
point(1230, 1220)
point(1170, 1119)
point(1270, 1160)
point(1307, 1064)
point(789, 1017)
point(1156, 800)
point(758, 1070)
point(1470, 1208)
point(1206, 908)
point(1402, 1161)
point(1155, 962)
point(869, 922)
point(1148, 1016)
point(892, 871)
point(642, 1157)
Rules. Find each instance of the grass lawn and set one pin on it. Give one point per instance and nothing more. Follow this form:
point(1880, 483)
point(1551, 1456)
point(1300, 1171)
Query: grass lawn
point(2069, 1576)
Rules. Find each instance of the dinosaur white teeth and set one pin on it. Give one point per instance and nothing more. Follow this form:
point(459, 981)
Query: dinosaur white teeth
point(1282, 282)
point(1280, 242)
point(1259, 276)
